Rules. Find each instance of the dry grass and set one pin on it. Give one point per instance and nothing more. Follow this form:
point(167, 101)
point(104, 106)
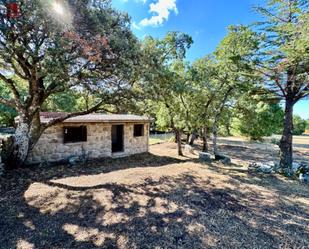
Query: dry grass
point(156, 200)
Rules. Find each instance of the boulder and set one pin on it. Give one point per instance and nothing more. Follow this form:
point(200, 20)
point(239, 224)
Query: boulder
point(303, 168)
point(205, 156)
point(277, 168)
point(188, 148)
point(295, 167)
point(304, 177)
point(266, 168)
point(73, 160)
point(300, 169)
point(223, 158)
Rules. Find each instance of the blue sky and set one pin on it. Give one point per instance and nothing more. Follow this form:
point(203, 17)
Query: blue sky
point(205, 20)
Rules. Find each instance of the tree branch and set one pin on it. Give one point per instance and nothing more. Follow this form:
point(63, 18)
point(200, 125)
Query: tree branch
point(7, 102)
point(70, 115)
point(10, 84)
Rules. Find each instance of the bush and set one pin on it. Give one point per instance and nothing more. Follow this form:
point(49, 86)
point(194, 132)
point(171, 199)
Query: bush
point(275, 141)
point(259, 120)
point(299, 125)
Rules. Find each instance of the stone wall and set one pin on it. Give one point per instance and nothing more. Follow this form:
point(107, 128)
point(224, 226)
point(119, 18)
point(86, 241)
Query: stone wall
point(51, 148)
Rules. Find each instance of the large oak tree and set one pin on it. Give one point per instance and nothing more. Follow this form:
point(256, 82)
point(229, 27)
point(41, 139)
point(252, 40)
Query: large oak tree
point(55, 46)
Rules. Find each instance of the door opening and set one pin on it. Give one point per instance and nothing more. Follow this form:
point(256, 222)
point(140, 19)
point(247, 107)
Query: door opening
point(117, 138)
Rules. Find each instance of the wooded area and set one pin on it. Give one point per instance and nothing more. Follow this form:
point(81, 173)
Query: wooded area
point(89, 60)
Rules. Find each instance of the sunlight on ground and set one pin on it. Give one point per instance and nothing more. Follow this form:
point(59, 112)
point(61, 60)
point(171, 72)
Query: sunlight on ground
point(87, 234)
point(164, 200)
point(23, 244)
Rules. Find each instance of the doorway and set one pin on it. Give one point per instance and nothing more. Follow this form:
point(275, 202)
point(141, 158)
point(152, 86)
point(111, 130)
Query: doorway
point(117, 138)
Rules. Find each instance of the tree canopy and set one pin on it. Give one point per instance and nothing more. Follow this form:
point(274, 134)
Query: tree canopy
point(89, 48)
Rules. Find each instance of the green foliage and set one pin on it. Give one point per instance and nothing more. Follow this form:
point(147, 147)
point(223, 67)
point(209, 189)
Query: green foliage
point(89, 48)
point(299, 125)
point(258, 119)
point(62, 102)
point(284, 52)
point(7, 116)
point(7, 113)
point(163, 81)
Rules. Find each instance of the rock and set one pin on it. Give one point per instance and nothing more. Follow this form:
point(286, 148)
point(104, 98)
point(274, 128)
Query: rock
point(304, 177)
point(189, 148)
point(277, 168)
point(266, 168)
point(302, 169)
point(252, 166)
point(295, 167)
point(223, 158)
point(270, 167)
point(204, 156)
point(73, 160)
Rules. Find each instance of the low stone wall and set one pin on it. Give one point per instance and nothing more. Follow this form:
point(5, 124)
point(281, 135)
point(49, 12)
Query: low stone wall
point(51, 148)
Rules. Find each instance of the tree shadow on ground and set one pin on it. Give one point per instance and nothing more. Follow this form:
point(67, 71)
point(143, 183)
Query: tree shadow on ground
point(183, 211)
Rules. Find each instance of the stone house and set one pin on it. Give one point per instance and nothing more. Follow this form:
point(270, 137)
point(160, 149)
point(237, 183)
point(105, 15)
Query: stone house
point(91, 136)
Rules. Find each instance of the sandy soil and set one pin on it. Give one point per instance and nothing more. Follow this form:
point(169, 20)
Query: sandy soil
point(244, 151)
point(155, 200)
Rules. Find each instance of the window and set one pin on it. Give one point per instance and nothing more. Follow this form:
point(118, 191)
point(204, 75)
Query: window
point(75, 134)
point(138, 130)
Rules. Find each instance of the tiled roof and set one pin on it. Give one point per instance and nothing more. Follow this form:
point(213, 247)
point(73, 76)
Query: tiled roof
point(96, 117)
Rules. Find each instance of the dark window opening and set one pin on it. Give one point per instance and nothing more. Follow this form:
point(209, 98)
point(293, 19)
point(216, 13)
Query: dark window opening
point(138, 130)
point(75, 134)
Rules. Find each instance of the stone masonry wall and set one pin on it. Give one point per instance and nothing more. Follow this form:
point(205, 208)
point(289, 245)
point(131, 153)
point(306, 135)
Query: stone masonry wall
point(51, 148)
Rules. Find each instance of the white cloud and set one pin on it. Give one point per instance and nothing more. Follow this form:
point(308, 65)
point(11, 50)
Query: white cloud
point(135, 26)
point(161, 10)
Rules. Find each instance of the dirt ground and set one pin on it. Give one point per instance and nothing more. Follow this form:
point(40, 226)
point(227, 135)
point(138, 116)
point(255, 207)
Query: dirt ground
point(244, 151)
point(155, 200)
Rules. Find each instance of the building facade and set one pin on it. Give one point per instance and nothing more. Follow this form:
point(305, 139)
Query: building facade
point(91, 136)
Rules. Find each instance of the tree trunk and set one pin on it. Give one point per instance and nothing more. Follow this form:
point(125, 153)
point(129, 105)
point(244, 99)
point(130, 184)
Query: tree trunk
point(286, 151)
point(228, 128)
point(204, 138)
point(215, 123)
point(214, 138)
point(178, 135)
point(187, 138)
point(26, 136)
point(20, 146)
point(193, 137)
